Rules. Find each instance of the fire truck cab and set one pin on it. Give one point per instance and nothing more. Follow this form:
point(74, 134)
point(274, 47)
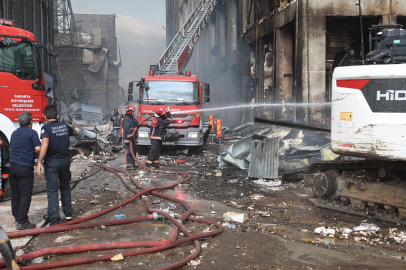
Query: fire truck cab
point(183, 96)
point(22, 83)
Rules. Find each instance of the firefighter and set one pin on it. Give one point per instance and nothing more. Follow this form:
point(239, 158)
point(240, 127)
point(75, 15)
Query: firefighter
point(161, 120)
point(6, 251)
point(4, 166)
point(129, 124)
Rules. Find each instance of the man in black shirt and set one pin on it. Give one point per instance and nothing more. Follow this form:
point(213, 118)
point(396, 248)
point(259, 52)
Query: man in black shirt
point(24, 144)
point(129, 124)
point(115, 121)
point(57, 159)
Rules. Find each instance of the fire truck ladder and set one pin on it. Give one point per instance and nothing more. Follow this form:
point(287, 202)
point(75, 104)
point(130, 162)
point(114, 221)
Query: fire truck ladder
point(179, 51)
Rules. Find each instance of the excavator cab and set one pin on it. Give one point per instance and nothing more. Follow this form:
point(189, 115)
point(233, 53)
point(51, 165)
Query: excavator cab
point(387, 44)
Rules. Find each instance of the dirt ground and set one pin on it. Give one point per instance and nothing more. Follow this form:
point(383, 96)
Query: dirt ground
point(277, 235)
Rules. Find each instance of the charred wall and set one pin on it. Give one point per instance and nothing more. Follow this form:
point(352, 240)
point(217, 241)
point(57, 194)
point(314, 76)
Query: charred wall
point(257, 51)
point(92, 63)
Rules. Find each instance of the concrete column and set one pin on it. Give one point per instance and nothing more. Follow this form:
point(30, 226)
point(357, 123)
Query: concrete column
point(390, 17)
point(232, 24)
point(283, 73)
point(170, 21)
point(313, 67)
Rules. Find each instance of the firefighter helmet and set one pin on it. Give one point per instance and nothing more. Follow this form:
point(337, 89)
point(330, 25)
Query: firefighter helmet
point(130, 109)
point(161, 111)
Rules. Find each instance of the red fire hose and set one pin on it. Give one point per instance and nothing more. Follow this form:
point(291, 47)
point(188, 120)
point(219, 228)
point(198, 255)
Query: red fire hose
point(149, 246)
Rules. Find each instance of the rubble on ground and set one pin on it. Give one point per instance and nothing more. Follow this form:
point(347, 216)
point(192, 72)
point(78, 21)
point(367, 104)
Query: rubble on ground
point(367, 233)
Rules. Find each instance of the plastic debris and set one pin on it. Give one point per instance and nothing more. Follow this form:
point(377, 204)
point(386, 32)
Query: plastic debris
point(120, 216)
point(366, 227)
point(319, 230)
point(264, 214)
point(38, 260)
point(237, 217)
point(231, 226)
point(347, 231)
point(324, 231)
point(194, 263)
point(255, 196)
point(180, 161)
point(118, 257)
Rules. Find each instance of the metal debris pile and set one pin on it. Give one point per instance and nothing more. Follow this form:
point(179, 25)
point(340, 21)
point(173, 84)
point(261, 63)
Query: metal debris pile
point(80, 114)
point(91, 141)
point(297, 149)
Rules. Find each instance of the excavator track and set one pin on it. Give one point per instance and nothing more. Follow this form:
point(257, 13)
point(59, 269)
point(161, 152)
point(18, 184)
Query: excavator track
point(369, 213)
point(358, 188)
point(356, 165)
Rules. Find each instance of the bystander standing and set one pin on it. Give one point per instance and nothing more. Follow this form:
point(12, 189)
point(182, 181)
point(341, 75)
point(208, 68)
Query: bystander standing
point(115, 121)
point(24, 144)
point(57, 159)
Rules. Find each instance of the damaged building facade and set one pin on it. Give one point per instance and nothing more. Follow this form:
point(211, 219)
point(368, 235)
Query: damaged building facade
point(95, 54)
point(279, 51)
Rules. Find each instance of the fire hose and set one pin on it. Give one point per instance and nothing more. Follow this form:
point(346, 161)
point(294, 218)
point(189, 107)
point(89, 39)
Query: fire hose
point(149, 246)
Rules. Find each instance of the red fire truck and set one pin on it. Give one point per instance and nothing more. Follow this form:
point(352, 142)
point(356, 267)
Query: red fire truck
point(183, 95)
point(22, 83)
point(167, 86)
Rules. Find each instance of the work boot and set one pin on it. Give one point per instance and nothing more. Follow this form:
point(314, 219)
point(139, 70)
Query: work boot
point(27, 225)
point(130, 167)
point(8, 255)
point(46, 218)
point(157, 166)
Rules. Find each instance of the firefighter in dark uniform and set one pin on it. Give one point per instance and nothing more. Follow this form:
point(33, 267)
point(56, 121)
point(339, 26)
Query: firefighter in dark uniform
point(129, 124)
point(4, 166)
point(6, 251)
point(161, 120)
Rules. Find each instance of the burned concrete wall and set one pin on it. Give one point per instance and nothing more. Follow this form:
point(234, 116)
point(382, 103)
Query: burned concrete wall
point(96, 54)
point(279, 51)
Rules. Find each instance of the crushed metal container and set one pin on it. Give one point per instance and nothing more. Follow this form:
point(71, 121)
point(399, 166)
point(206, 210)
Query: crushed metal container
point(92, 114)
point(264, 158)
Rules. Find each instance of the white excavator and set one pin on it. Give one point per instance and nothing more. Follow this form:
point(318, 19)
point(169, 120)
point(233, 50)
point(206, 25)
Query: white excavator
point(368, 121)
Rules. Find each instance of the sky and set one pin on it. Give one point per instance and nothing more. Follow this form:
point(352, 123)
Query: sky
point(140, 29)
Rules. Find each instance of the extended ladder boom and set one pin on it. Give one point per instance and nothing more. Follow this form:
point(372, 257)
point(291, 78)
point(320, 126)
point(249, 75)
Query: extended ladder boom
point(179, 51)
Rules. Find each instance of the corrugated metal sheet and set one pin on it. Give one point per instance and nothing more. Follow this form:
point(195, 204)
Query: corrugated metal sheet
point(264, 158)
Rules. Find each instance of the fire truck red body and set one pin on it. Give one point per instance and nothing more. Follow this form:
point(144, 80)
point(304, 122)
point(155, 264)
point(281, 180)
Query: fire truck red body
point(183, 95)
point(22, 83)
